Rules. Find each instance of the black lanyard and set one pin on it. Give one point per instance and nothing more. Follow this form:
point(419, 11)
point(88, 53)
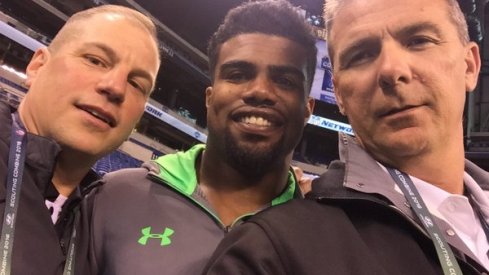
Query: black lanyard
point(70, 258)
point(447, 259)
point(14, 183)
point(16, 163)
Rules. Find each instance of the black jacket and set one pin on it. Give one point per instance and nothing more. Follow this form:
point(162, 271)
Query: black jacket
point(39, 246)
point(353, 222)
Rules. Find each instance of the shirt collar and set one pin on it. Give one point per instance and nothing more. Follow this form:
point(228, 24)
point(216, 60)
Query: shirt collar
point(480, 196)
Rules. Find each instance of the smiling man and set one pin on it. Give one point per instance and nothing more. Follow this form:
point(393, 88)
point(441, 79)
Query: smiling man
point(86, 92)
point(402, 199)
point(170, 215)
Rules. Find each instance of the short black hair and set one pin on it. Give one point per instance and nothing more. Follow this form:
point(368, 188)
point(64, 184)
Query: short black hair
point(274, 17)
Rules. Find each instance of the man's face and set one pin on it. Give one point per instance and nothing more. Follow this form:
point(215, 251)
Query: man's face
point(400, 74)
point(258, 105)
point(89, 92)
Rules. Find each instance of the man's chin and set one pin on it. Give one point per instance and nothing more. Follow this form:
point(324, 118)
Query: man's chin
point(252, 162)
point(87, 148)
point(402, 147)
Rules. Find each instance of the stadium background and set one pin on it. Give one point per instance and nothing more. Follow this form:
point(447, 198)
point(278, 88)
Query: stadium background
point(175, 116)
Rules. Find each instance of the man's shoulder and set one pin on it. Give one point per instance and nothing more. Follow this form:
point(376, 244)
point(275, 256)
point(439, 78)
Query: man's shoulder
point(297, 213)
point(298, 225)
point(126, 174)
point(120, 183)
point(181, 159)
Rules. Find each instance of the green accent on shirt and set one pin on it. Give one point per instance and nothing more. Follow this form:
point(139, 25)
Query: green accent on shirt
point(289, 192)
point(178, 170)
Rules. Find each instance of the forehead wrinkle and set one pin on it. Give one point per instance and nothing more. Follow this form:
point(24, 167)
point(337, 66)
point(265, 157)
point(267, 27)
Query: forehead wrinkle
point(115, 58)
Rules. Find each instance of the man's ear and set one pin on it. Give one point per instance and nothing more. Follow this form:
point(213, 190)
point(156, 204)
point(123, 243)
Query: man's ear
point(309, 109)
point(473, 62)
point(38, 60)
point(339, 98)
point(208, 96)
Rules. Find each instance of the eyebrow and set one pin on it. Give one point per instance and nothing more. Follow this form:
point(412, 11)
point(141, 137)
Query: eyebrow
point(236, 64)
point(358, 45)
point(113, 56)
point(281, 69)
point(106, 49)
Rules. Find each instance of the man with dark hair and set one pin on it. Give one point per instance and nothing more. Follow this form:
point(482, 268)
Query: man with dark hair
point(86, 92)
point(402, 199)
point(170, 215)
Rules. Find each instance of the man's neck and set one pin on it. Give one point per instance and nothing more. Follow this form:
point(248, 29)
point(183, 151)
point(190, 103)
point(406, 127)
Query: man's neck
point(71, 167)
point(26, 117)
point(232, 194)
point(444, 169)
point(69, 172)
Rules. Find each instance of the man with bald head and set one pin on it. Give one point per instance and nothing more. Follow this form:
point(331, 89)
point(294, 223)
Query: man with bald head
point(87, 91)
point(402, 199)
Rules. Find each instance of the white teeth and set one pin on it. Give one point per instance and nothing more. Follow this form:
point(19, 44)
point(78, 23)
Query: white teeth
point(94, 113)
point(259, 121)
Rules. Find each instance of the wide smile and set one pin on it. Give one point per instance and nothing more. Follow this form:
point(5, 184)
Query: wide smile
point(99, 114)
point(258, 121)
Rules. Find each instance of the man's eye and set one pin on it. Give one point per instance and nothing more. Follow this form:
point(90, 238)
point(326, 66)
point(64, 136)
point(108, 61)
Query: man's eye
point(138, 86)
point(95, 61)
point(236, 76)
point(419, 41)
point(287, 82)
point(359, 59)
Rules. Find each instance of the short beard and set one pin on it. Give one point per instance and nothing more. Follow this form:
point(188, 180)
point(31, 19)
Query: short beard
point(252, 163)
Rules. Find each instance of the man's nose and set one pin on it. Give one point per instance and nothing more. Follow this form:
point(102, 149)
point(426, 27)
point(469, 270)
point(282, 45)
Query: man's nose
point(394, 67)
point(113, 84)
point(260, 91)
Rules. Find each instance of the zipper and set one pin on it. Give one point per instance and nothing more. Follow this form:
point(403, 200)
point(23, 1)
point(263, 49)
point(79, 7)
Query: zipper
point(216, 219)
point(225, 228)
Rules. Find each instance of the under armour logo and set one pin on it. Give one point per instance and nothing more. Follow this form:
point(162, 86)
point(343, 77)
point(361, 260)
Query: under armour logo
point(164, 237)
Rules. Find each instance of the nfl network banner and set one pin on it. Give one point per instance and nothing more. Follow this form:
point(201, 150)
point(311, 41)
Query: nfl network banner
point(331, 124)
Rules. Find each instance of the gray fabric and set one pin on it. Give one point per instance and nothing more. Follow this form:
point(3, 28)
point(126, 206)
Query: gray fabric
point(352, 222)
point(365, 175)
point(130, 200)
